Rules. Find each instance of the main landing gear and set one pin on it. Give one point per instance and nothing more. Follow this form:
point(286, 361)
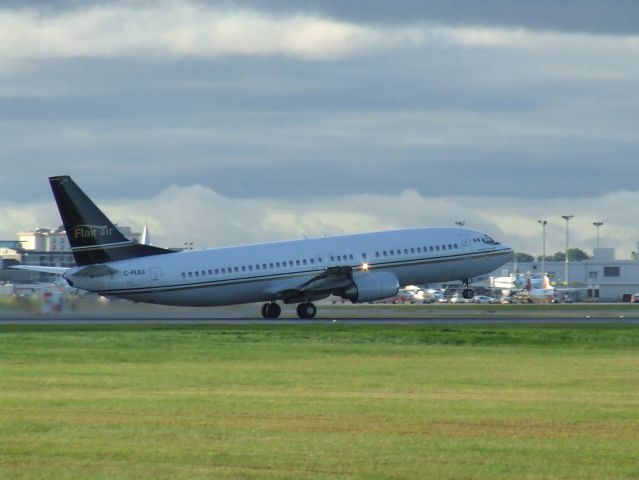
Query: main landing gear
point(271, 310)
point(468, 292)
point(304, 310)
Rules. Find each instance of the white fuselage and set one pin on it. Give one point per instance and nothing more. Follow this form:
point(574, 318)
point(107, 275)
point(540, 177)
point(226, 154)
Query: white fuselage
point(252, 273)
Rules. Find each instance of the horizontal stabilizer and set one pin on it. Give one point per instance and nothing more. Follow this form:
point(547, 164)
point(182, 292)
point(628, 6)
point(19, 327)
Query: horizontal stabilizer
point(38, 268)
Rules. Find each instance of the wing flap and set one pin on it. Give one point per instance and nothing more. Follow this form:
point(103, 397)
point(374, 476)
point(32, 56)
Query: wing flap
point(333, 278)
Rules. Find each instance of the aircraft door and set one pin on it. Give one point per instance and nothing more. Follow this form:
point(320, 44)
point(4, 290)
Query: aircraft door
point(465, 242)
point(155, 275)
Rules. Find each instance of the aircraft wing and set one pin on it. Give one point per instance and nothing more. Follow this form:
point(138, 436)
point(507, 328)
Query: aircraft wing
point(317, 287)
point(43, 269)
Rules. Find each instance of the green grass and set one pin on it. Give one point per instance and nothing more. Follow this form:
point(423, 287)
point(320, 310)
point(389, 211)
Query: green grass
point(319, 401)
point(466, 310)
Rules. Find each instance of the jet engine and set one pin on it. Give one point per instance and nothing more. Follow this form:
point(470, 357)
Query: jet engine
point(368, 287)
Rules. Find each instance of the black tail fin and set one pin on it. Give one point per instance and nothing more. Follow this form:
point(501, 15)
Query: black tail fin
point(92, 236)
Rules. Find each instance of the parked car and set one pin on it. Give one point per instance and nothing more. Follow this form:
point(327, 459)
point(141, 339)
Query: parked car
point(482, 299)
point(457, 299)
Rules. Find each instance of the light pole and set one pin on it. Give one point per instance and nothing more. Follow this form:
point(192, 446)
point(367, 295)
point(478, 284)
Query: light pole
point(543, 224)
point(567, 218)
point(597, 225)
point(460, 223)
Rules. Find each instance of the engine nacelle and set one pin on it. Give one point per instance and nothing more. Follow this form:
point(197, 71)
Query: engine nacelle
point(368, 287)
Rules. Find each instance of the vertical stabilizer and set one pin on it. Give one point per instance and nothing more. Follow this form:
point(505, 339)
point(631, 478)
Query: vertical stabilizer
point(92, 236)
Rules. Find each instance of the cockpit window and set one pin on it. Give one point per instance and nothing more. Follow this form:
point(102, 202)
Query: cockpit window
point(488, 240)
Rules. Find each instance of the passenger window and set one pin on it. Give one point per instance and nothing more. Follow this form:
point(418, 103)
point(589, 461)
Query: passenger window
point(197, 274)
point(351, 256)
point(364, 256)
point(437, 248)
point(223, 270)
point(183, 275)
point(277, 264)
point(377, 254)
point(431, 248)
point(243, 268)
point(290, 263)
point(271, 264)
point(257, 267)
point(190, 274)
point(384, 252)
point(412, 250)
point(419, 249)
point(303, 262)
point(392, 252)
point(339, 258)
point(217, 271)
point(210, 272)
point(319, 259)
point(450, 247)
point(236, 269)
point(406, 251)
point(264, 266)
point(312, 261)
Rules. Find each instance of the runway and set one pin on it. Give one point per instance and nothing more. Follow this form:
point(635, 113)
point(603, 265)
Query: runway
point(163, 320)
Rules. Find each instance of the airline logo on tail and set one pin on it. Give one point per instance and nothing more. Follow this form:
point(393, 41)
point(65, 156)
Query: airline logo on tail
point(91, 231)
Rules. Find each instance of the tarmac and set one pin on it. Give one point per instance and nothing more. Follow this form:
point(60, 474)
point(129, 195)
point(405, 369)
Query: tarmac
point(317, 321)
point(121, 312)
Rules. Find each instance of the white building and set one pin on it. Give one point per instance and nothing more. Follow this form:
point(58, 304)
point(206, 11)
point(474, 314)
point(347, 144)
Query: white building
point(47, 240)
point(44, 240)
point(50, 248)
point(599, 278)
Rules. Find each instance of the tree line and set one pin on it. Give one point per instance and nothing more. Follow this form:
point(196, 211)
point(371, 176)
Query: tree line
point(574, 255)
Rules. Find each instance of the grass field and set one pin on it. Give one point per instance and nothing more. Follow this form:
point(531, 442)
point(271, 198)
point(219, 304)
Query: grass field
point(320, 401)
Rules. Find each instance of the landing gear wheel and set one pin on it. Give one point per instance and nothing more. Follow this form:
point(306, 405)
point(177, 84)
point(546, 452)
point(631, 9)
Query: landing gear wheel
point(468, 293)
point(271, 310)
point(306, 310)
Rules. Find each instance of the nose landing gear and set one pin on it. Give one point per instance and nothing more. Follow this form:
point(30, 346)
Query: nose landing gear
point(468, 292)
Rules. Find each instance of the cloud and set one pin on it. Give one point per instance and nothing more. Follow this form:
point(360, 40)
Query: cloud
point(594, 16)
point(174, 28)
point(209, 219)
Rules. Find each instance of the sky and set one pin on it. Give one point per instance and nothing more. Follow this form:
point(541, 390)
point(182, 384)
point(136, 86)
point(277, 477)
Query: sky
point(258, 120)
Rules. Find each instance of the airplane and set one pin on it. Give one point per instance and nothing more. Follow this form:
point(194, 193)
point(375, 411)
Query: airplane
point(531, 288)
point(360, 267)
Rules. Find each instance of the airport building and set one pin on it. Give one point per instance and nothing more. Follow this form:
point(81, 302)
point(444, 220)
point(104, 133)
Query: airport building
point(599, 278)
point(42, 246)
